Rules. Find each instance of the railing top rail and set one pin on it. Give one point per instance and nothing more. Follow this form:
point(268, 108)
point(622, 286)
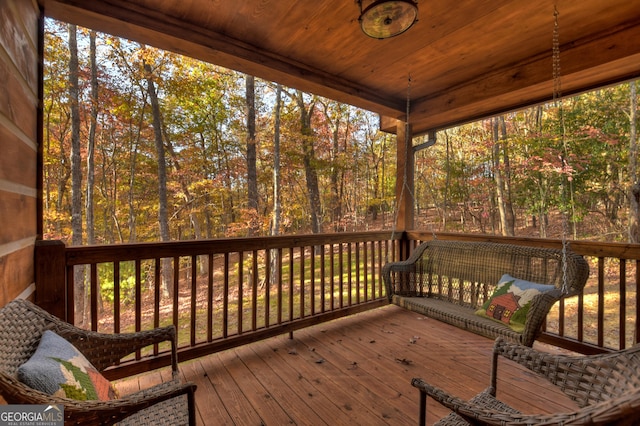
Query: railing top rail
point(78, 255)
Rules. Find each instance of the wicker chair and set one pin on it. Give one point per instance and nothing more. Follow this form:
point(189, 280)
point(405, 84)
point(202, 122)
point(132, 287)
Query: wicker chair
point(21, 327)
point(605, 386)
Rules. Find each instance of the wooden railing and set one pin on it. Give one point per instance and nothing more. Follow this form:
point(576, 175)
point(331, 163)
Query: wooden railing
point(218, 293)
point(224, 293)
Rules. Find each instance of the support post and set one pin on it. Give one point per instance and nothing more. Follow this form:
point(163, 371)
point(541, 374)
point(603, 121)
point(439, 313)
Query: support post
point(50, 277)
point(405, 185)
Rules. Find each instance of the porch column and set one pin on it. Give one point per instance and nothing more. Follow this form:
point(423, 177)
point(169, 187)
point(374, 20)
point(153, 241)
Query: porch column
point(404, 177)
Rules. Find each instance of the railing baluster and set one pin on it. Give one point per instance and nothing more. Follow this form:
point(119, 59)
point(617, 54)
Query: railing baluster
point(267, 288)
point(312, 280)
point(138, 303)
point(623, 304)
point(240, 290)
point(254, 290)
point(176, 294)
point(94, 293)
point(636, 336)
point(210, 294)
point(358, 283)
point(194, 297)
point(322, 279)
point(116, 297)
point(302, 281)
point(600, 301)
point(341, 269)
point(580, 324)
point(350, 274)
point(157, 282)
point(279, 280)
point(225, 298)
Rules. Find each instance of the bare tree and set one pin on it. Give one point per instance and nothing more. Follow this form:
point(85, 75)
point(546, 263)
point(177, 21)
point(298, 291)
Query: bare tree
point(252, 173)
point(634, 193)
point(92, 140)
point(500, 169)
point(163, 217)
point(76, 171)
point(308, 158)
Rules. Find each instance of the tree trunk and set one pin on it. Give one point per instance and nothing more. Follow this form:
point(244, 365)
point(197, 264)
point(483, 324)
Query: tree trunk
point(92, 141)
point(76, 172)
point(277, 207)
point(499, 151)
point(508, 205)
point(308, 159)
point(252, 174)
point(634, 193)
point(335, 205)
point(445, 197)
point(163, 219)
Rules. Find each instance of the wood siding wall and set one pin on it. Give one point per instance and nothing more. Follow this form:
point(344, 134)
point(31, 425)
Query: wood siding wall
point(19, 81)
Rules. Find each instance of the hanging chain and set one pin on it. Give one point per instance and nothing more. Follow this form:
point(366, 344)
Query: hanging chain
point(406, 142)
point(557, 99)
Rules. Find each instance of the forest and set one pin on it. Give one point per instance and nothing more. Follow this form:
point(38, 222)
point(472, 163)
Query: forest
point(147, 145)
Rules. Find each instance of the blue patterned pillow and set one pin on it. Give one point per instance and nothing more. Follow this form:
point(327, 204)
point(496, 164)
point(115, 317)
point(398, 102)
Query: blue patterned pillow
point(59, 369)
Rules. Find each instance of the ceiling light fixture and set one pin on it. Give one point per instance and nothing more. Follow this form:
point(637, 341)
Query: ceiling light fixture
point(387, 18)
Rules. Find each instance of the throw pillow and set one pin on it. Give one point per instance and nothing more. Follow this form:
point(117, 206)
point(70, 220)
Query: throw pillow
point(59, 369)
point(511, 300)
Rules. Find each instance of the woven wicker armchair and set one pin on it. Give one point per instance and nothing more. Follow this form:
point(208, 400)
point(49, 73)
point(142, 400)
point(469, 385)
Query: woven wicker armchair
point(21, 327)
point(605, 386)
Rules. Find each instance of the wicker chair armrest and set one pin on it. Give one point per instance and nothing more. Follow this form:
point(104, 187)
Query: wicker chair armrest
point(624, 410)
point(104, 349)
point(403, 266)
point(95, 412)
point(587, 379)
point(110, 412)
point(472, 413)
point(440, 395)
point(541, 304)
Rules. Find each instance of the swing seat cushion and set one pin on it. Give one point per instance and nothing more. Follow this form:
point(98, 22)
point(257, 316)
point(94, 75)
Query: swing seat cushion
point(454, 281)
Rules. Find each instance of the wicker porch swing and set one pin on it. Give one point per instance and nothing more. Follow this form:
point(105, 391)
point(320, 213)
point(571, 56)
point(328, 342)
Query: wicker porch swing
point(606, 387)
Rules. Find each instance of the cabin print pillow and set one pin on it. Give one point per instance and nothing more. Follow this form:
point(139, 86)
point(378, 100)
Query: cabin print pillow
point(511, 300)
point(58, 368)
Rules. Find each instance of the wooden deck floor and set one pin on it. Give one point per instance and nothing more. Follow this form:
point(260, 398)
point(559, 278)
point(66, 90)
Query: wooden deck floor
point(354, 371)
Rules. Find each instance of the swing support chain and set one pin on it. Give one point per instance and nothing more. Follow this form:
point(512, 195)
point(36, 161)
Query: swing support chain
point(557, 99)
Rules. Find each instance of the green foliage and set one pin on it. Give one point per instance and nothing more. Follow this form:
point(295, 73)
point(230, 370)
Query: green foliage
point(203, 123)
point(126, 283)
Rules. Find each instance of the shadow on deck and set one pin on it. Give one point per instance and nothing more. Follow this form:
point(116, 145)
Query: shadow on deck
point(355, 370)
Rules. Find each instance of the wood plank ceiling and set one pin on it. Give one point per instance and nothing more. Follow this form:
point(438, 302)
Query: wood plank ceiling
point(465, 59)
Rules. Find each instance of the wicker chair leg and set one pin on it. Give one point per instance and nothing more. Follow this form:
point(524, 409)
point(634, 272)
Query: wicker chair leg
point(423, 409)
point(192, 407)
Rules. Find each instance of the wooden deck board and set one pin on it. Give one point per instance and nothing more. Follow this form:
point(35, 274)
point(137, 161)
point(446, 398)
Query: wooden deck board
point(354, 371)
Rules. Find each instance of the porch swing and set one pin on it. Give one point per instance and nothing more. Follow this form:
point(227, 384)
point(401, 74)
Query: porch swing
point(489, 288)
point(605, 387)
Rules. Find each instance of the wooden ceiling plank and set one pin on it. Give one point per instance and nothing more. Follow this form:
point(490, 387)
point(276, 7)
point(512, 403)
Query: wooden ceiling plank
point(531, 82)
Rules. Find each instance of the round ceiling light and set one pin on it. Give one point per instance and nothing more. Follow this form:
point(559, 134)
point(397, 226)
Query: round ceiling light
point(388, 18)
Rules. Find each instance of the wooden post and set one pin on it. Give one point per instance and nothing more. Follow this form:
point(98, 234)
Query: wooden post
point(50, 276)
point(405, 186)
